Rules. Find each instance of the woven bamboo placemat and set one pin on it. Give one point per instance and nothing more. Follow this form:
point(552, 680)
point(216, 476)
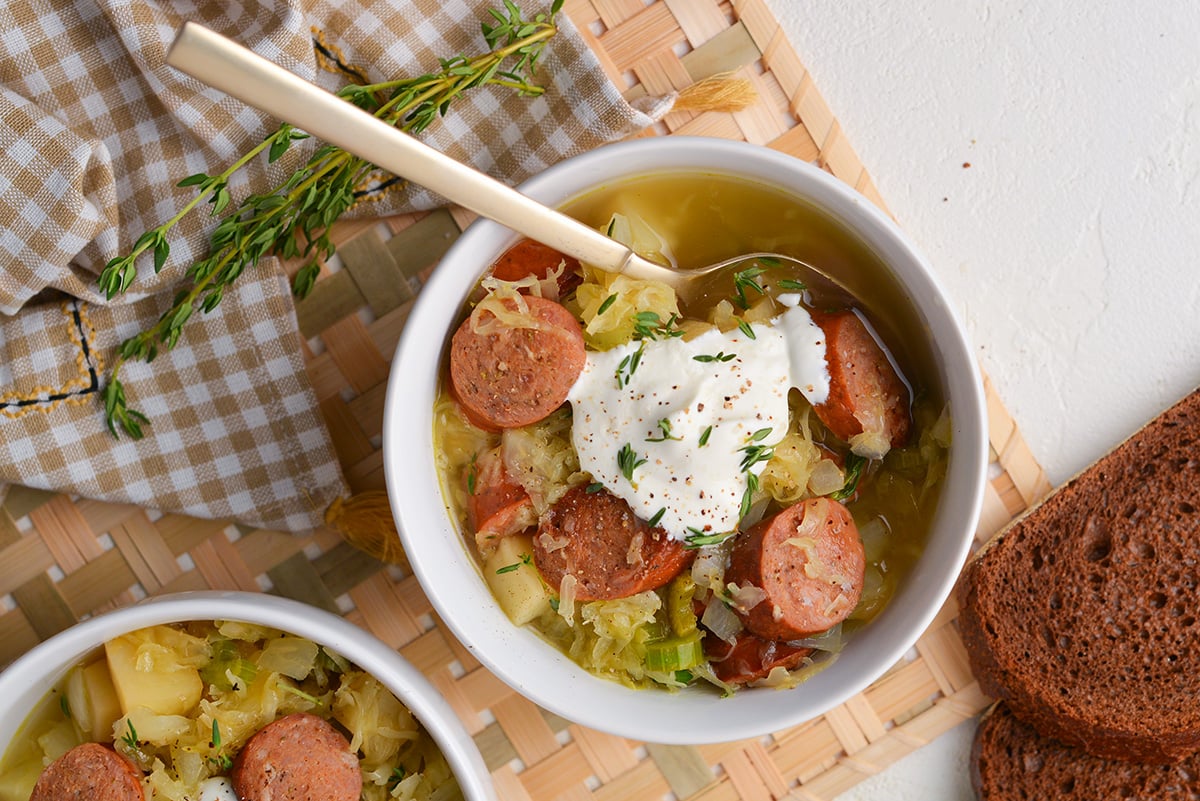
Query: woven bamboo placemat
point(62, 559)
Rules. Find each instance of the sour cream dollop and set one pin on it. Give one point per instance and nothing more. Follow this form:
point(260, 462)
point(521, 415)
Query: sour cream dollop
point(673, 436)
point(217, 788)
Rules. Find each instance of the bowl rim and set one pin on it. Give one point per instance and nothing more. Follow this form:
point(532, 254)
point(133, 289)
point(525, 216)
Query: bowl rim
point(658, 716)
point(65, 649)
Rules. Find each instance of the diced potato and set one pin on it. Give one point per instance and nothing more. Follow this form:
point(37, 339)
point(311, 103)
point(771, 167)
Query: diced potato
point(514, 580)
point(92, 699)
point(148, 674)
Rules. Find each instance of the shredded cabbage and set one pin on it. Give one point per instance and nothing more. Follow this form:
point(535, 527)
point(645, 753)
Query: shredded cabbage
point(456, 443)
point(630, 297)
point(609, 638)
point(892, 502)
point(541, 458)
point(178, 752)
point(787, 474)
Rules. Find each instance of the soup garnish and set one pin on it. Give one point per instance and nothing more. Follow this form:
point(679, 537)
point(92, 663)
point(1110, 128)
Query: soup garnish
point(720, 494)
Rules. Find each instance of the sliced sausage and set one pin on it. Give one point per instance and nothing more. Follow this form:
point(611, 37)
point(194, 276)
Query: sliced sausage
point(300, 757)
point(596, 537)
point(497, 505)
point(751, 658)
point(512, 376)
point(90, 772)
point(528, 257)
point(865, 391)
point(809, 561)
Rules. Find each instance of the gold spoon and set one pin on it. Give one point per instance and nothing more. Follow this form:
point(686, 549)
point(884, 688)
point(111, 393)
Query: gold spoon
point(234, 69)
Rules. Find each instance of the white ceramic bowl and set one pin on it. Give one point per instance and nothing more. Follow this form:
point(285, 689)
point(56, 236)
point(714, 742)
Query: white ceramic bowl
point(453, 582)
point(27, 680)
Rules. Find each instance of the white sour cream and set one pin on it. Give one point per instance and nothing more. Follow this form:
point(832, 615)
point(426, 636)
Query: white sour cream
point(659, 415)
point(217, 788)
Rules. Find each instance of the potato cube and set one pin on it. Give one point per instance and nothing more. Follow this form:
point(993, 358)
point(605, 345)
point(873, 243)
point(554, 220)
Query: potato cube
point(92, 699)
point(514, 580)
point(148, 674)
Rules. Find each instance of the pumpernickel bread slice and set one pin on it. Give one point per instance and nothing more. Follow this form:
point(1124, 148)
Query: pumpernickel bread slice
point(1010, 761)
point(1082, 614)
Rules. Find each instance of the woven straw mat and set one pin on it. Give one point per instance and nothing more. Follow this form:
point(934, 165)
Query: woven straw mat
point(65, 559)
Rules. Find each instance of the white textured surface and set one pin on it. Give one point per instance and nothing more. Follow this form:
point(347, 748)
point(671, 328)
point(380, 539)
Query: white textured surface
point(1071, 242)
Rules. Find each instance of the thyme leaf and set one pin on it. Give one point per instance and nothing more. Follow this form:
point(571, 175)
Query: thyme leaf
point(698, 539)
point(747, 280)
point(720, 356)
point(854, 469)
point(650, 325)
point(294, 218)
point(664, 427)
point(130, 737)
point(526, 559)
point(628, 366)
point(628, 461)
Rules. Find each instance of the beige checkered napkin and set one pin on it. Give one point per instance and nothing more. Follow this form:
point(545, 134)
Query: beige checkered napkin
point(95, 133)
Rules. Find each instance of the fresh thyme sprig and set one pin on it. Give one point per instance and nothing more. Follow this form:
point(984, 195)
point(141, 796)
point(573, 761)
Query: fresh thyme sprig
point(747, 279)
point(628, 461)
point(130, 737)
point(628, 366)
point(294, 218)
point(221, 761)
point(697, 538)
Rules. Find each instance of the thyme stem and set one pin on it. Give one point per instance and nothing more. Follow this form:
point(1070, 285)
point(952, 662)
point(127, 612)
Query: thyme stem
point(312, 199)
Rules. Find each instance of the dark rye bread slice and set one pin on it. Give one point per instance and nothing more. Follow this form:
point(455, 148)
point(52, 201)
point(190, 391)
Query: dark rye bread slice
point(1010, 761)
point(1082, 613)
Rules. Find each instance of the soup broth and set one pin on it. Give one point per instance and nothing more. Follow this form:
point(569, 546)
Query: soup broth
point(710, 218)
point(180, 702)
point(671, 635)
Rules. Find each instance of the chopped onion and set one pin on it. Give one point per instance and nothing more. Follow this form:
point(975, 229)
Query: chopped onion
point(870, 444)
point(874, 535)
point(829, 640)
point(550, 543)
point(745, 597)
point(708, 568)
point(566, 598)
point(633, 556)
point(721, 621)
point(826, 477)
point(704, 671)
point(781, 678)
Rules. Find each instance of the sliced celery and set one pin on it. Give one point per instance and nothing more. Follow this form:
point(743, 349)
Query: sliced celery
point(679, 604)
point(226, 660)
point(675, 653)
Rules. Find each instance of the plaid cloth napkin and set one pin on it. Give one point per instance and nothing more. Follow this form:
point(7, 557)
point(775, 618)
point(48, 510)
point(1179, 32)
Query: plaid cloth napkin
point(95, 132)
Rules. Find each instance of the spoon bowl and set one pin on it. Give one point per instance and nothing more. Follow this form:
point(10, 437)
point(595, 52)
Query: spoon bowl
point(223, 64)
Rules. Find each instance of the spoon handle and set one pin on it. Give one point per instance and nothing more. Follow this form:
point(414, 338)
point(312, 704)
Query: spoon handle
point(232, 68)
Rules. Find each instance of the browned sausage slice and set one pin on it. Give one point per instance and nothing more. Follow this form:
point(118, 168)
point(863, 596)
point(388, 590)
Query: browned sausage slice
point(528, 257)
point(300, 757)
point(92, 772)
point(497, 506)
point(508, 377)
point(865, 391)
point(596, 537)
point(809, 561)
point(751, 658)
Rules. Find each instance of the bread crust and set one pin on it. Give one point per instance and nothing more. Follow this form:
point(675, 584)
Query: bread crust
point(1011, 762)
point(1081, 614)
